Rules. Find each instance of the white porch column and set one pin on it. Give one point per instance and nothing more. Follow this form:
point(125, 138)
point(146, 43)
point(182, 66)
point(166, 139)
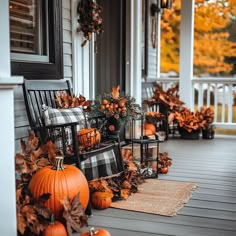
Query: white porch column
point(133, 58)
point(81, 58)
point(7, 162)
point(186, 52)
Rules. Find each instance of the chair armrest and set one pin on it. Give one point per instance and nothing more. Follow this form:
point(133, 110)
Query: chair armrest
point(101, 149)
point(72, 124)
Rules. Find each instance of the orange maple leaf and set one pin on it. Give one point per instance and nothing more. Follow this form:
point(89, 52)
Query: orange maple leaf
point(115, 92)
point(125, 193)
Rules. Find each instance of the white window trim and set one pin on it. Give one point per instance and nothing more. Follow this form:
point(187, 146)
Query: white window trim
point(80, 58)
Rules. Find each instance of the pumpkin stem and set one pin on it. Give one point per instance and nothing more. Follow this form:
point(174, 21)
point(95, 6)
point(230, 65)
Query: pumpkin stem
point(92, 231)
point(58, 165)
point(52, 220)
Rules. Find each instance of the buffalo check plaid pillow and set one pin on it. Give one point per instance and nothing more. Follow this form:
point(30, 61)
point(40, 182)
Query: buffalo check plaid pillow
point(53, 116)
point(100, 165)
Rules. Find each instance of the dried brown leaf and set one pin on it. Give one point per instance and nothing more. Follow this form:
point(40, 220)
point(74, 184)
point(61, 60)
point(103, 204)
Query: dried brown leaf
point(74, 214)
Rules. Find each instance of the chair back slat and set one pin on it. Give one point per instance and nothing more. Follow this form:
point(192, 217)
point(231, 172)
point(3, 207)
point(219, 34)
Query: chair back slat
point(37, 93)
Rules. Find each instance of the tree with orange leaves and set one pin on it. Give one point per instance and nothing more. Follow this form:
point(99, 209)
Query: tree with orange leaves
point(211, 39)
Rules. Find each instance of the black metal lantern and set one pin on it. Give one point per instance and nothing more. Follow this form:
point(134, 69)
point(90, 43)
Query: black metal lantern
point(166, 3)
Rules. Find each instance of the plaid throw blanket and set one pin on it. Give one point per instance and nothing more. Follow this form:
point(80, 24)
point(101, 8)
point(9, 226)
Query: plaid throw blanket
point(100, 165)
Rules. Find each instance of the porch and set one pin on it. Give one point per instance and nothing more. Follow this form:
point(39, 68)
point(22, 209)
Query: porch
point(212, 208)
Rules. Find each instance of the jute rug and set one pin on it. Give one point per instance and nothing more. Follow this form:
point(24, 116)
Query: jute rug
point(159, 197)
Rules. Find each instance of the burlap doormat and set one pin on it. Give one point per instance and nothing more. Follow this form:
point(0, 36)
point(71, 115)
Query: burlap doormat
point(158, 197)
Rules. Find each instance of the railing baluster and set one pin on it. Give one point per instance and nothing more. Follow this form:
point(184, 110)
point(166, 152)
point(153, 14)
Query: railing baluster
point(230, 103)
point(200, 95)
point(216, 103)
point(223, 106)
point(208, 94)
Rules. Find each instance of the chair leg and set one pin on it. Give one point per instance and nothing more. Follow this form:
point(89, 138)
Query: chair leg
point(88, 210)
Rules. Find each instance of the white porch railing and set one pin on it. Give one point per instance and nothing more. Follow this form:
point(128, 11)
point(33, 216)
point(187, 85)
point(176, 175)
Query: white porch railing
point(219, 93)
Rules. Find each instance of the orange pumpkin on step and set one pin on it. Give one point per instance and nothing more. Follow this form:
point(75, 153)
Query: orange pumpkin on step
point(97, 232)
point(55, 228)
point(89, 138)
point(61, 181)
point(149, 129)
point(101, 200)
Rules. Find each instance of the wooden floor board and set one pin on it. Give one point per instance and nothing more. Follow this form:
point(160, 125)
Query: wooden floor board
point(181, 219)
point(211, 211)
point(159, 227)
point(208, 213)
point(214, 198)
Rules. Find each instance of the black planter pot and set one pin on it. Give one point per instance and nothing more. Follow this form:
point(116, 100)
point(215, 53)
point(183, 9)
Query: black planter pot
point(113, 126)
point(208, 132)
point(184, 134)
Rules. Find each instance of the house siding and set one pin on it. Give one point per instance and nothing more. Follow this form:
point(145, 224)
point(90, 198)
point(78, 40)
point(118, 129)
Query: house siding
point(21, 120)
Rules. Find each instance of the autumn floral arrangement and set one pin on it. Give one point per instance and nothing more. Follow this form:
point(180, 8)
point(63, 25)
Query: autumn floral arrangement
point(116, 107)
point(164, 162)
point(189, 120)
point(207, 114)
point(64, 101)
point(90, 20)
point(169, 98)
point(198, 120)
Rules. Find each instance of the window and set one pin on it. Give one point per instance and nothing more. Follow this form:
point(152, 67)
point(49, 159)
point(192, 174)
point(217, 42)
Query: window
point(36, 38)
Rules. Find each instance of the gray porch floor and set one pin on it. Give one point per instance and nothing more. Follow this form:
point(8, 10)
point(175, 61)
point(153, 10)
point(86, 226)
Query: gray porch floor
point(211, 211)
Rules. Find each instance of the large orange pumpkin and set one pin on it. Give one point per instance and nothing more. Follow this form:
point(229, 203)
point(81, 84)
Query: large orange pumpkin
point(149, 129)
point(101, 200)
point(61, 181)
point(89, 138)
point(97, 232)
point(55, 228)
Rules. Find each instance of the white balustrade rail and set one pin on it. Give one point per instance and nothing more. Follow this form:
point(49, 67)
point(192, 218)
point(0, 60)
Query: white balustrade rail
point(219, 93)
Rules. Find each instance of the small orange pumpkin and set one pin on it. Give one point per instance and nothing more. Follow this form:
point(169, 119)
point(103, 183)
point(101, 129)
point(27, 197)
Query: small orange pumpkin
point(61, 181)
point(55, 228)
point(164, 170)
point(101, 200)
point(97, 232)
point(88, 138)
point(150, 127)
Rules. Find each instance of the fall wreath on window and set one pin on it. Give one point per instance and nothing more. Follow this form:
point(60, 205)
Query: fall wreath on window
point(90, 20)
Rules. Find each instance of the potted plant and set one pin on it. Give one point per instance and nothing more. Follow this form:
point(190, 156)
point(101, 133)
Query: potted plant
point(117, 108)
point(208, 130)
point(164, 162)
point(190, 123)
point(168, 102)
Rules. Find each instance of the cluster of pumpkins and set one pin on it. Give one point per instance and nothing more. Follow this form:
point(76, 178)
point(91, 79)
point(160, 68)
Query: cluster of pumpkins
point(61, 181)
point(64, 181)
